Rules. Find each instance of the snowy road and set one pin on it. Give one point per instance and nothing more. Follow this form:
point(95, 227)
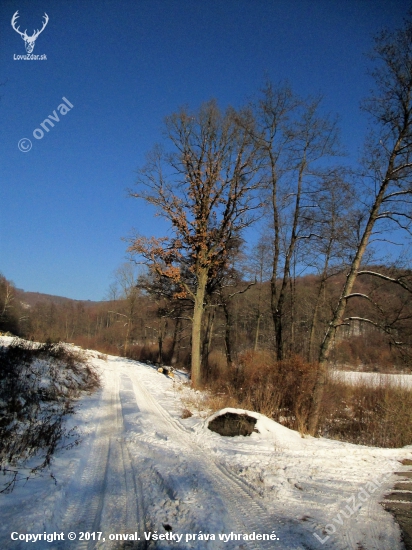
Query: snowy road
point(140, 467)
point(145, 470)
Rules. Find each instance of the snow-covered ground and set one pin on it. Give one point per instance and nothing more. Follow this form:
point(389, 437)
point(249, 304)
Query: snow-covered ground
point(374, 378)
point(141, 469)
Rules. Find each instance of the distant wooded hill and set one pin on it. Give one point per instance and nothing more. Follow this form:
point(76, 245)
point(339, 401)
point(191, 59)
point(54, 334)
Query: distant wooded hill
point(33, 298)
point(147, 323)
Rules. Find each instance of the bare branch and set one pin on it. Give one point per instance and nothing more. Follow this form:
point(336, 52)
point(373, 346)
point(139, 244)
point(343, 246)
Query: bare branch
point(359, 295)
point(397, 281)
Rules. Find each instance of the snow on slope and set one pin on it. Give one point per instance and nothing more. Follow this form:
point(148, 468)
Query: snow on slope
point(140, 467)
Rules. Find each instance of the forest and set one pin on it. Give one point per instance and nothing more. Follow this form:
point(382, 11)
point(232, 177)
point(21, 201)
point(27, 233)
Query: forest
point(143, 326)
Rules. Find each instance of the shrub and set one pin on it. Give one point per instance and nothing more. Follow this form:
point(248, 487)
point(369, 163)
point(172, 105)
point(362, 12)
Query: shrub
point(278, 389)
point(38, 383)
point(379, 416)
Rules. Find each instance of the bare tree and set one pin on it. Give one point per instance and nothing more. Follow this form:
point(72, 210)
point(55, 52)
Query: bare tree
point(333, 217)
point(388, 175)
point(7, 298)
point(260, 270)
point(205, 188)
point(161, 291)
point(294, 140)
point(228, 287)
point(125, 287)
point(10, 308)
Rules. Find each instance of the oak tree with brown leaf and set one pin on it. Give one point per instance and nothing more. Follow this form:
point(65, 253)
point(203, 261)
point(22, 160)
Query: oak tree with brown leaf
point(205, 186)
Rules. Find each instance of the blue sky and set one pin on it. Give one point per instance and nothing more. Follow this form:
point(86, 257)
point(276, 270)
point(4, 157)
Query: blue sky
point(124, 66)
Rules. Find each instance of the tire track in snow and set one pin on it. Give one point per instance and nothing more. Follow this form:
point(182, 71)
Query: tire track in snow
point(117, 502)
point(246, 513)
point(135, 513)
point(88, 486)
point(104, 498)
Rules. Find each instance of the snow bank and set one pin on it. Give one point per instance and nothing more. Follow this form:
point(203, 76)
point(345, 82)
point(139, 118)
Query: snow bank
point(268, 429)
point(374, 378)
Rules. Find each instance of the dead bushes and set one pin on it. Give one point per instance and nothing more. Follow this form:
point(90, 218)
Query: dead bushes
point(279, 389)
point(379, 416)
point(359, 413)
point(370, 352)
point(38, 383)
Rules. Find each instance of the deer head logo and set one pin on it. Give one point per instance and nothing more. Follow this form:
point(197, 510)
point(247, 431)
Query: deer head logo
point(29, 41)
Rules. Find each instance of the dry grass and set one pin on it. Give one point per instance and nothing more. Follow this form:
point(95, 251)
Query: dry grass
point(279, 390)
point(215, 402)
point(379, 416)
point(370, 353)
point(98, 344)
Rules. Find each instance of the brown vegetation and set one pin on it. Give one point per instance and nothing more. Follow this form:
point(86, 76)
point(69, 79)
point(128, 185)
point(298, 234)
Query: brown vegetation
point(359, 413)
point(255, 380)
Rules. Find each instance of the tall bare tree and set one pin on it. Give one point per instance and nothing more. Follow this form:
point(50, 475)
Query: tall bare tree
point(333, 218)
point(294, 139)
point(388, 175)
point(260, 269)
point(9, 317)
point(205, 188)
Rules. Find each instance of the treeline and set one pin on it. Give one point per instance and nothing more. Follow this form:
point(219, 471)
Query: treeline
point(139, 325)
point(143, 326)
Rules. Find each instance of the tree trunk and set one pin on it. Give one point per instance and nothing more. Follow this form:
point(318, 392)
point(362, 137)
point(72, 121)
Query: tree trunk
point(317, 395)
point(278, 305)
point(292, 284)
point(196, 372)
point(173, 358)
point(160, 339)
point(228, 343)
point(126, 340)
point(317, 305)
point(274, 299)
point(207, 340)
point(210, 335)
point(314, 322)
point(256, 346)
